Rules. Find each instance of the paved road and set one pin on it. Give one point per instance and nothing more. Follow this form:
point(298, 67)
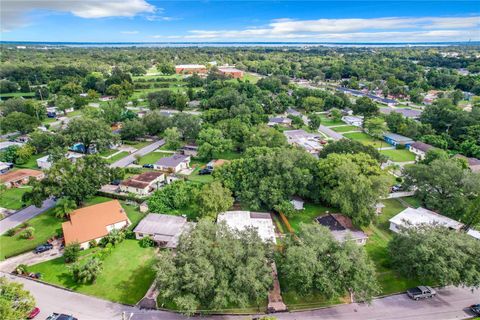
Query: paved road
point(329, 132)
point(122, 163)
point(449, 304)
point(23, 215)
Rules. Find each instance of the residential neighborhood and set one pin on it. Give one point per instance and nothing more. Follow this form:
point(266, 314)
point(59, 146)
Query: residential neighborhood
point(157, 162)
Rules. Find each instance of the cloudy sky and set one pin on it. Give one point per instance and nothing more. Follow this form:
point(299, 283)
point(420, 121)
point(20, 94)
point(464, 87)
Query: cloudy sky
point(230, 21)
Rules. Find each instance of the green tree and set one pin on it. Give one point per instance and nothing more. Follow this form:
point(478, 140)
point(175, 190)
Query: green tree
point(18, 121)
point(264, 136)
point(314, 121)
point(213, 198)
point(177, 195)
point(15, 302)
point(375, 127)
point(365, 107)
point(63, 103)
point(212, 141)
point(347, 146)
point(132, 129)
point(318, 263)
point(64, 207)
point(166, 68)
point(91, 133)
point(86, 272)
point(215, 267)
point(71, 252)
point(24, 153)
point(312, 104)
point(172, 138)
point(180, 101)
point(336, 114)
point(436, 254)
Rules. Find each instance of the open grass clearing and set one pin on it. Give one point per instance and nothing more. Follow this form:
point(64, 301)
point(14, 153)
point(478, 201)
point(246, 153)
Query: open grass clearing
point(399, 155)
point(365, 139)
point(117, 157)
point(308, 215)
point(12, 198)
point(137, 144)
point(17, 95)
point(346, 128)
point(126, 275)
point(327, 121)
point(32, 162)
point(152, 157)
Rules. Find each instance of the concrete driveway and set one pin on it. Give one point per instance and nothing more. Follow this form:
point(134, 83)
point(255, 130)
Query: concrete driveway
point(122, 163)
point(23, 215)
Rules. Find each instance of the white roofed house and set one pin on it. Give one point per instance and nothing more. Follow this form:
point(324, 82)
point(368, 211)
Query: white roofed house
point(174, 163)
point(309, 141)
point(241, 220)
point(412, 217)
point(353, 120)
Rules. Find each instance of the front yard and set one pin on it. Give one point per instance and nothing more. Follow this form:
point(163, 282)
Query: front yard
point(152, 157)
point(32, 162)
point(366, 139)
point(12, 198)
point(126, 275)
point(346, 129)
point(117, 157)
point(399, 155)
point(308, 215)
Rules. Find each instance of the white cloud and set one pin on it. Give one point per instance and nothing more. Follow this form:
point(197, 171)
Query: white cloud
point(13, 12)
point(129, 32)
point(392, 29)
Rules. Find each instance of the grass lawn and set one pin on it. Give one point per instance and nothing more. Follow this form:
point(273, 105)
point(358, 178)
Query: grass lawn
point(126, 275)
point(307, 215)
point(413, 201)
point(295, 301)
point(153, 157)
point(107, 152)
point(399, 155)
point(46, 225)
point(326, 121)
point(17, 94)
point(117, 157)
point(365, 139)
point(137, 144)
point(227, 155)
point(346, 129)
point(195, 177)
point(32, 162)
point(12, 198)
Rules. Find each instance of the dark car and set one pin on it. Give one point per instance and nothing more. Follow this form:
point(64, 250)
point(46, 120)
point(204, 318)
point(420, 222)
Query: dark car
point(44, 247)
point(61, 316)
point(396, 188)
point(475, 308)
point(116, 182)
point(205, 171)
point(148, 166)
point(33, 313)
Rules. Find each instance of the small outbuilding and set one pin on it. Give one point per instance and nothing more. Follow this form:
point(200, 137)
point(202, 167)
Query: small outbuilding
point(342, 228)
point(164, 229)
point(241, 220)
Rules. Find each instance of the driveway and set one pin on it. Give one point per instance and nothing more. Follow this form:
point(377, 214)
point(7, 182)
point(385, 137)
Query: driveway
point(23, 215)
point(31, 258)
point(449, 304)
point(122, 163)
point(329, 132)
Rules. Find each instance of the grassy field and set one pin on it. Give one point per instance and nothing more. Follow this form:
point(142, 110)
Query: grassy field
point(107, 152)
point(413, 201)
point(399, 155)
point(365, 139)
point(153, 157)
point(117, 157)
point(17, 94)
point(195, 177)
point(46, 225)
point(137, 144)
point(12, 198)
point(346, 128)
point(326, 121)
point(126, 275)
point(308, 215)
point(32, 162)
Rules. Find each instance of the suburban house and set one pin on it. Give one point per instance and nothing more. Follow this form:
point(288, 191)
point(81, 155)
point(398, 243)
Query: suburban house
point(240, 220)
point(406, 112)
point(342, 228)
point(412, 217)
point(190, 150)
point(292, 112)
point(309, 141)
point(231, 72)
point(174, 163)
point(420, 149)
point(281, 121)
point(94, 222)
point(5, 144)
point(20, 177)
point(397, 139)
point(5, 166)
point(164, 229)
point(144, 183)
point(45, 163)
point(190, 68)
point(353, 120)
point(473, 163)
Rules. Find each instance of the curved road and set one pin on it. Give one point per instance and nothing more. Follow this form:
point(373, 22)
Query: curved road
point(449, 304)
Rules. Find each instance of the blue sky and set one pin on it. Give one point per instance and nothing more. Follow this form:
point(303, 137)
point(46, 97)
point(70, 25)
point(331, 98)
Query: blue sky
point(229, 21)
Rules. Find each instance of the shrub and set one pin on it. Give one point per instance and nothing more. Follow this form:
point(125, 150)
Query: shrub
point(286, 207)
point(27, 233)
point(147, 242)
point(21, 269)
point(88, 272)
point(129, 234)
point(92, 243)
point(71, 252)
point(23, 225)
point(11, 232)
point(400, 147)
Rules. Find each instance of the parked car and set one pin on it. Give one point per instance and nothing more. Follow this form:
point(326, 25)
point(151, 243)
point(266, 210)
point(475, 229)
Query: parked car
point(148, 166)
point(421, 292)
point(35, 275)
point(396, 188)
point(43, 247)
point(205, 171)
point(475, 308)
point(33, 313)
point(116, 182)
point(61, 316)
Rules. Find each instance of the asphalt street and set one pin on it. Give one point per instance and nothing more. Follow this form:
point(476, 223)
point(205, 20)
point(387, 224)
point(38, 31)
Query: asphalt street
point(122, 163)
point(23, 215)
point(450, 303)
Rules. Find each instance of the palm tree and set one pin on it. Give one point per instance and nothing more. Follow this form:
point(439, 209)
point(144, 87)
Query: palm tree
point(64, 207)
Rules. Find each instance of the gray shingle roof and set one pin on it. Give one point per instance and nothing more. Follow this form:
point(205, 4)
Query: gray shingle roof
point(172, 161)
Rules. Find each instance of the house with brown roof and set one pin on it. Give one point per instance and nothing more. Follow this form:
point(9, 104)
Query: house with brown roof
point(342, 228)
point(144, 183)
point(473, 163)
point(420, 149)
point(94, 223)
point(20, 177)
